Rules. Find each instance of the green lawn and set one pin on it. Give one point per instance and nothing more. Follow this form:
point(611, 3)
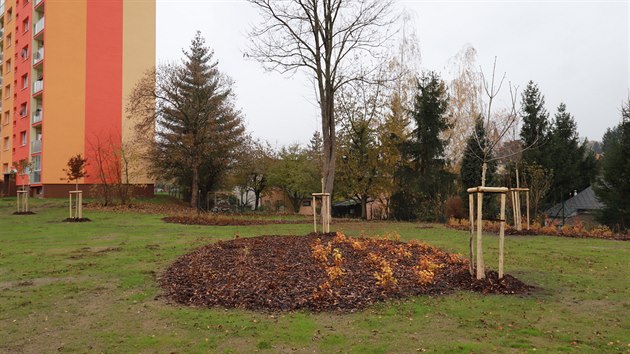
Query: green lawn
point(91, 288)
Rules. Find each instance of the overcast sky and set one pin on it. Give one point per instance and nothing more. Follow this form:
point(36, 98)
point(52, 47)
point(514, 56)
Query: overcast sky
point(576, 51)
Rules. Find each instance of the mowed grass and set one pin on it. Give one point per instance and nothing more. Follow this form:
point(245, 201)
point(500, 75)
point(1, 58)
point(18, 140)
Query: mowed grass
point(92, 287)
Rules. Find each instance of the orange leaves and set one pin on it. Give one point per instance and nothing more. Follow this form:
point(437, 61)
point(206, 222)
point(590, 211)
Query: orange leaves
point(334, 272)
point(577, 229)
point(321, 252)
point(425, 270)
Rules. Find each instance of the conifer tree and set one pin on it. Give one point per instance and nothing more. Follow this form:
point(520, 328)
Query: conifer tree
point(564, 144)
point(535, 125)
point(423, 182)
point(613, 188)
point(198, 130)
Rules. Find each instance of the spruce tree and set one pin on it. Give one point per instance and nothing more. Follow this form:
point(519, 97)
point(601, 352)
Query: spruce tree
point(535, 125)
point(423, 182)
point(613, 188)
point(198, 130)
point(564, 144)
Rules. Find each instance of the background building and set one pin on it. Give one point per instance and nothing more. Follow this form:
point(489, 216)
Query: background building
point(67, 69)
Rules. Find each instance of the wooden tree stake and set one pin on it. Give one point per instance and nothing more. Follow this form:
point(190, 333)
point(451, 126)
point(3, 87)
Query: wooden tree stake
point(527, 203)
point(481, 271)
point(471, 214)
point(502, 236)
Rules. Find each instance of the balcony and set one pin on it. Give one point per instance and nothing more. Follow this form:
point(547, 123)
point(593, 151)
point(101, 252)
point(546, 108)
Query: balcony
point(36, 177)
point(36, 146)
point(2, 9)
point(37, 116)
point(37, 57)
point(38, 86)
point(39, 26)
point(36, 3)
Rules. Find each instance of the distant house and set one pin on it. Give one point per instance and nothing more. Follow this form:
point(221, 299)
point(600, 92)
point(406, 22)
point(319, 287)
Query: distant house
point(276, 200)
point(351, 208)
point(581, 206)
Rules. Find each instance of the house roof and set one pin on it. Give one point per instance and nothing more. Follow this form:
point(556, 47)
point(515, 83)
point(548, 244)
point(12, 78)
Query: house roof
point(586, 200)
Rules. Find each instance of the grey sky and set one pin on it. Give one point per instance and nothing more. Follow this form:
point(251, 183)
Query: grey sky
point(576, 51)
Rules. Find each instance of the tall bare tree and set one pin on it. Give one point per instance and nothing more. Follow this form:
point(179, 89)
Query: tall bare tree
point(322, 37)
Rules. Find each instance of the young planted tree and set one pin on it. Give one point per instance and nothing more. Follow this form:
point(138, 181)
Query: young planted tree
point(471, 170)
point(76, 170)
point(191, 109)
point(322, 37)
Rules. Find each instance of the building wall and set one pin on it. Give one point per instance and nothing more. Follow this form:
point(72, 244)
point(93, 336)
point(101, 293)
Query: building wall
point(64, 86)
point(22, 34)
point(276, 200)
point(138, 58)
point(6, 97)
point(103, 92)
point(94, 52)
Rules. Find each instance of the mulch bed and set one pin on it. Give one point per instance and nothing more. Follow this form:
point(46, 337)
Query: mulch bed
point(76, 220)
point(524, 232)
point(224, 220)
point(23, 213)
point(282, 273)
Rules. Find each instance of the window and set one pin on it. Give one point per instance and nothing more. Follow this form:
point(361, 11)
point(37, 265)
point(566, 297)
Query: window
point(25, 81)
point(24, 52)
point(10, 14)
point(36, 163)
point(5, 144)
point(23, 110)
point(9, 40)
point(7, 91)
point(25, 25)
point(23, 138)
point(9, 67)
point(7, 117)
point(5, 168)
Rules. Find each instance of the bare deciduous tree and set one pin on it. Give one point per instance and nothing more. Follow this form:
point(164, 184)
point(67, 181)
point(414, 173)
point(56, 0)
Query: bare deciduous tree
point(322, 37)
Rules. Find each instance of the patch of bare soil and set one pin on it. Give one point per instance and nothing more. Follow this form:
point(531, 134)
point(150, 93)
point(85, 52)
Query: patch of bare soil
point(76, 220)
point(320, 272)
point(23, 213)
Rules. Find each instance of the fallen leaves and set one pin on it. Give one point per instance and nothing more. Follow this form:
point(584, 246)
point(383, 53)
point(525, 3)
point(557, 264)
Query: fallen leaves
point(319, 272)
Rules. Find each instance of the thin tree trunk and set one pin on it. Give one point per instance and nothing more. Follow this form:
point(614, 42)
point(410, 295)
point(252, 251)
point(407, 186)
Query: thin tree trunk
point(195, 187)
point(364, 207)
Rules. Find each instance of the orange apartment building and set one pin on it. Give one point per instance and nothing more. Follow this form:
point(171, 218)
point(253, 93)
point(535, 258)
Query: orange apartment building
point(67, 68)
